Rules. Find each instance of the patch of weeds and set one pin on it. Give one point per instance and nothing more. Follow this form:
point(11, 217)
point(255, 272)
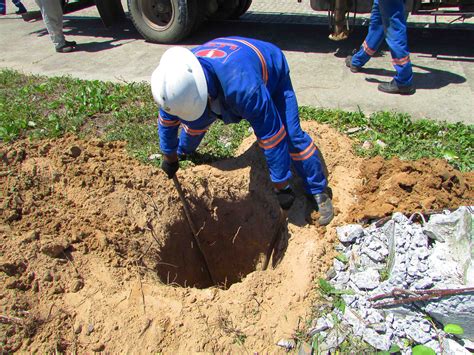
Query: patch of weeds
point(392, 134)
point(226, 324)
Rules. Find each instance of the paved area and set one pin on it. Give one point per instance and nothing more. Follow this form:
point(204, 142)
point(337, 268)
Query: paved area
point(443, 58)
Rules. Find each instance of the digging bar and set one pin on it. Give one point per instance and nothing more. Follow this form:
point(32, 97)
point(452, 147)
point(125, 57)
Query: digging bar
point(194, 231)
point(275, 239)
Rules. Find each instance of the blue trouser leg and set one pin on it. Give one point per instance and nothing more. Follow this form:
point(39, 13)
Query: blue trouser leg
point(303, 152)
point(3, 8)
point(19, 5)
point(374, 38)
point(393, 15)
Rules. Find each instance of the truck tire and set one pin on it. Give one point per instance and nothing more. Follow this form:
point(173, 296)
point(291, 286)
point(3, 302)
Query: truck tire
point(163, 21)
point(241, 9)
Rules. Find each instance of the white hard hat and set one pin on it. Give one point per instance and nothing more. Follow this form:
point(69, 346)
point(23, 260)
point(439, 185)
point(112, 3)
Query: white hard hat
point(179, 85)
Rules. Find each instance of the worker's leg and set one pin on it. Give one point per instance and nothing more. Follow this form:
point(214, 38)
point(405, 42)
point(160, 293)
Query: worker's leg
point(373, 40)
point(393, 15)
point(21, 7)
point(3, 8)
point(52, 13)
point(303, 151)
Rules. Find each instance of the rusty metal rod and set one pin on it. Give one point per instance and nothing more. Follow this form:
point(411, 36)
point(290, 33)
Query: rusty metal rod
point(415, 296)
point(194, 231)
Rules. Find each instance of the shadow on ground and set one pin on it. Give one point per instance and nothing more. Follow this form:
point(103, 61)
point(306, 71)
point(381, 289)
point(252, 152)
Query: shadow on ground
point(453, 44)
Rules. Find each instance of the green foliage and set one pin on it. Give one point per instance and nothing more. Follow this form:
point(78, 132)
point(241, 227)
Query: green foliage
point(342, 258)
point(453, 329)
point(422, 350)
point(403, 137)
point(40, 107)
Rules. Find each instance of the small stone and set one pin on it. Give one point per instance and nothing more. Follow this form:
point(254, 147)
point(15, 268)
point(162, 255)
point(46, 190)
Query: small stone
point(74, 151)
point(366, 280)
point(378, 341)
point(288, 344)
point(78, 329)
point(48, 277)
point(339, 265)
point(321, 325)
point(77, 285)
point(154, 157)
point(423, 284)
point(453, 347)
point(98, 348)
point(380, 143)
point(367, 145)
point(90, 329)
point(353, 130)
point(349, 233)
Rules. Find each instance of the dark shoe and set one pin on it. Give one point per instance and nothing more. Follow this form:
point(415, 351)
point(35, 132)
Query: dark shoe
point(393, 88)
point(321, 203)
point(349, 64)
point(67, 47)
point(21, 10)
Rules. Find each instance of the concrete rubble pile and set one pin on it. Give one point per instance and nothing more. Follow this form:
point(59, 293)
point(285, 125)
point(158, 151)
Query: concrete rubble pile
point(433, 254)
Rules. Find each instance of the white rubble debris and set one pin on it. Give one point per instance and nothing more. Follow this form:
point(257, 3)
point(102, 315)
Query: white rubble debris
point(435, 254)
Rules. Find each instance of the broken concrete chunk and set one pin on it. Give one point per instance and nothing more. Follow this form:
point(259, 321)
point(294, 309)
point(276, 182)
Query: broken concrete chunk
point(288, 344)
point(349, 233)
point(366, 280)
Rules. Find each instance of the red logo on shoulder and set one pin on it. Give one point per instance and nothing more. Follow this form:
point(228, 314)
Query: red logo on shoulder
point(211, 53)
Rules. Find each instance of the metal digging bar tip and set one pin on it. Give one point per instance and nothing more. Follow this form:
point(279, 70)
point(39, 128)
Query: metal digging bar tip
point(187, 212)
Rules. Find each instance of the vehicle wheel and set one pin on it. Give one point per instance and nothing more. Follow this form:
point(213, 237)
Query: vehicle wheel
point(225, 10)
point(241, 9)
point(163, 21)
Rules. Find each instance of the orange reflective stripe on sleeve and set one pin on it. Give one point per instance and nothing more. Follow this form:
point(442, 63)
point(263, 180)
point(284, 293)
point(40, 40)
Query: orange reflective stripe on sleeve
point(272, 141)
point(194, 132)
point(168, 123)
point(305, 154)
point(259, 55)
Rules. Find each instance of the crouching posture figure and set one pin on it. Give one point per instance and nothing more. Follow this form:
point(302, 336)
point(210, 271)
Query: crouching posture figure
point(231, 79)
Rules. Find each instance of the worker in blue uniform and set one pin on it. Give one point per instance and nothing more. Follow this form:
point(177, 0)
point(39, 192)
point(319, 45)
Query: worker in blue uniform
point(231, 79)
point(387, 20)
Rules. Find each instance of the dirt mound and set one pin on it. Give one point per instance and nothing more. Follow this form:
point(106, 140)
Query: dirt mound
point(423, 185)
point(96, 253)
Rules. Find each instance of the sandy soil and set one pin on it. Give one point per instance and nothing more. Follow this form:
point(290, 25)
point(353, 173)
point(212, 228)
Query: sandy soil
point(96, 253)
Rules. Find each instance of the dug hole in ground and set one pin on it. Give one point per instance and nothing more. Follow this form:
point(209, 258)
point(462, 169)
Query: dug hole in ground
point(96, 253)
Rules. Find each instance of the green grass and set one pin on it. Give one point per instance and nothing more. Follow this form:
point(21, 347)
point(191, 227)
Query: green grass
point(40, 107)
point(403, 137)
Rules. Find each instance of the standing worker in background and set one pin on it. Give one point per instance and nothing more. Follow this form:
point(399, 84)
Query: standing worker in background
point(230, 79)
point(387, 20)
point(52, 13)
point(18, 4)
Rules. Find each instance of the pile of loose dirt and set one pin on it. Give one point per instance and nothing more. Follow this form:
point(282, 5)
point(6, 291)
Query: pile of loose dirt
point(96, 254)
point(423, 185)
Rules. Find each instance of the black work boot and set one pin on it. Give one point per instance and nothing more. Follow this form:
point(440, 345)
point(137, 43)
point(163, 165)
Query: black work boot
point(321, 203)
point(352, 67)
point(393, 88)
point(67, 47)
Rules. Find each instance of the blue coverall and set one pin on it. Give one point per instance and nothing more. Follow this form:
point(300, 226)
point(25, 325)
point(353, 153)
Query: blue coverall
point(250, 79)
point(388, 20)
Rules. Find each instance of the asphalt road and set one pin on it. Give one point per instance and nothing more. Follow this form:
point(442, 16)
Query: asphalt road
point(443, 58)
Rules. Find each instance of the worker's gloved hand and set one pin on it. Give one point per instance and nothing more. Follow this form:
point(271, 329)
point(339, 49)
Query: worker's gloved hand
point(170, 168)
point(285, 197)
